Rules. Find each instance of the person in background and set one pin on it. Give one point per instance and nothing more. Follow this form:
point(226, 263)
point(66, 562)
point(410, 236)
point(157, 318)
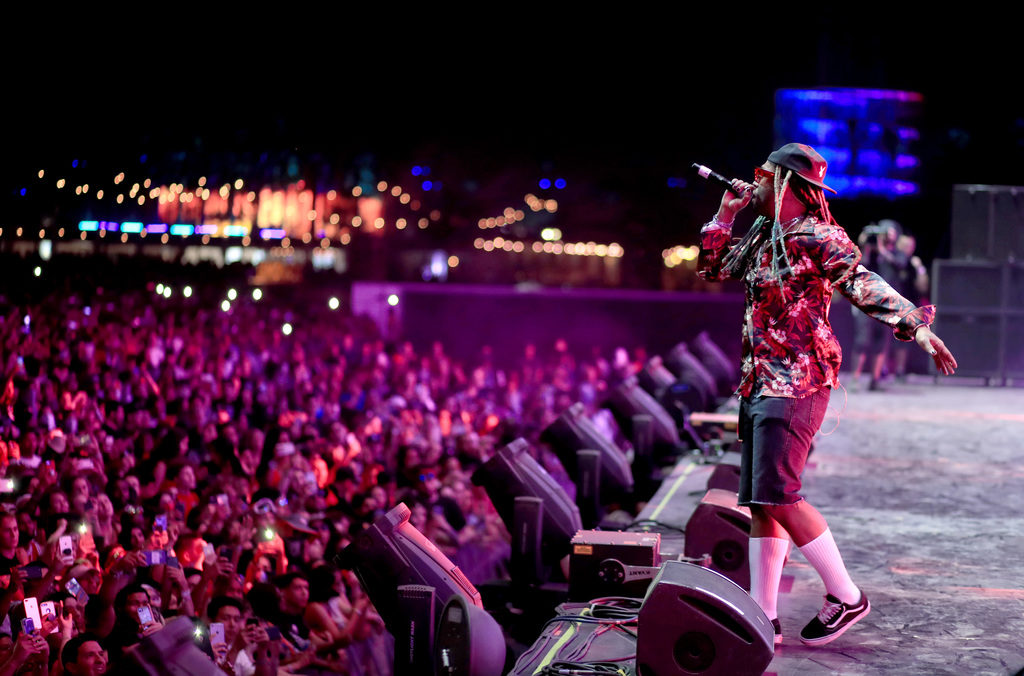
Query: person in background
point(871, 339)
point(84, 656)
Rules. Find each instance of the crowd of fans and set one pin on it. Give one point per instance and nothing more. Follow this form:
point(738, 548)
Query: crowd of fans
point(164, 457)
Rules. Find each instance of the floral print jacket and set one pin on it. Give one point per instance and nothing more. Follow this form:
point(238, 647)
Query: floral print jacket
point(789, 349)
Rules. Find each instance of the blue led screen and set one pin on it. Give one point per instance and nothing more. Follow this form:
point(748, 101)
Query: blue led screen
point(868, 136)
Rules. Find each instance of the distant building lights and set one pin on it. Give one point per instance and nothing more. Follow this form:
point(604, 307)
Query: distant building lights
point(393, 300)
point(257, 294)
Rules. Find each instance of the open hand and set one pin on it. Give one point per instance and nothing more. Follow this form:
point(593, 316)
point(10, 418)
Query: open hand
point(933, 345)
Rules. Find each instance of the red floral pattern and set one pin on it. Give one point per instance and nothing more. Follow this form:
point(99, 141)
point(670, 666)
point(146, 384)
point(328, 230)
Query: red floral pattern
point(789, 349)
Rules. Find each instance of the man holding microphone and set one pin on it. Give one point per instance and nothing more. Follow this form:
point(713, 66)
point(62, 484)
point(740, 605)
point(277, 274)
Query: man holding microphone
point(791, 260)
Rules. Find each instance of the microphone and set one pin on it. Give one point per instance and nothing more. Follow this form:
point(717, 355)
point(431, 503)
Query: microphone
point(708, 173)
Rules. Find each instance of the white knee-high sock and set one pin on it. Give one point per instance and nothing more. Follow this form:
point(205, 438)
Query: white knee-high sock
point(767, 556)
point(822, 553)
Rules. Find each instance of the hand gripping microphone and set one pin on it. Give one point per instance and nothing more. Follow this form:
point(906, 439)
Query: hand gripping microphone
point(708, 173)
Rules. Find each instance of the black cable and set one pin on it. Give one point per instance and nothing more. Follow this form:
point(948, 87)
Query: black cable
point(652, 522)
point(585, 668)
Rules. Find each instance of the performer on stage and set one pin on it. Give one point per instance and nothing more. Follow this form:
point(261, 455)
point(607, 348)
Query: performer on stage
point(792, 258)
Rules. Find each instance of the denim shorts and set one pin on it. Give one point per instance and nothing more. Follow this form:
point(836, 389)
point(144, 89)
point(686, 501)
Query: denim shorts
point(776, 434)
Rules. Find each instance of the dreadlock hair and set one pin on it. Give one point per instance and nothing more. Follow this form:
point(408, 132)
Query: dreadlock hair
point(737, 261)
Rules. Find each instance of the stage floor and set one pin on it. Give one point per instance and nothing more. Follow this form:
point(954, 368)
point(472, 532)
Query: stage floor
point(923, 488)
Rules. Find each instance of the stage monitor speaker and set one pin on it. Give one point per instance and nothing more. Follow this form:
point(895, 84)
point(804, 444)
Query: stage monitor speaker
point(720, 528)
point(469, 641)
point(655, 378)
point(573, 431)
point(725, 370)
point(726, 475)
point(688, 368)
point(695, 621)
point(629, 399)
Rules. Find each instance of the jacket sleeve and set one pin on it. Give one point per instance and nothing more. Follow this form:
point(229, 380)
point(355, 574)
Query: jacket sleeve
point(715, 242)
point(867, 290)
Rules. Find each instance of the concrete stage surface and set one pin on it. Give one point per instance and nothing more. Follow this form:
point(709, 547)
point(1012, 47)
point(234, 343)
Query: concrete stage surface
point(923, 488)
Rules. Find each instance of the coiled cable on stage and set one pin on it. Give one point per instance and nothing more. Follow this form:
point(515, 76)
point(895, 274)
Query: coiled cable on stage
point(583, 669)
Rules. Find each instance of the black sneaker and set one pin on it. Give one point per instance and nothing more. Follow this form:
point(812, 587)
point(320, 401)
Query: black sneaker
point(778, 631)
point(834, 619)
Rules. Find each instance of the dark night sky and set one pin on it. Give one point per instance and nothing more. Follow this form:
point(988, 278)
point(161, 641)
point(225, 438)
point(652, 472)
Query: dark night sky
point(617, 108)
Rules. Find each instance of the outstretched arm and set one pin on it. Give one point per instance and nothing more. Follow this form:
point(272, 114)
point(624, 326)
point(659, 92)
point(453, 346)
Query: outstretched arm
point(876, 298)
